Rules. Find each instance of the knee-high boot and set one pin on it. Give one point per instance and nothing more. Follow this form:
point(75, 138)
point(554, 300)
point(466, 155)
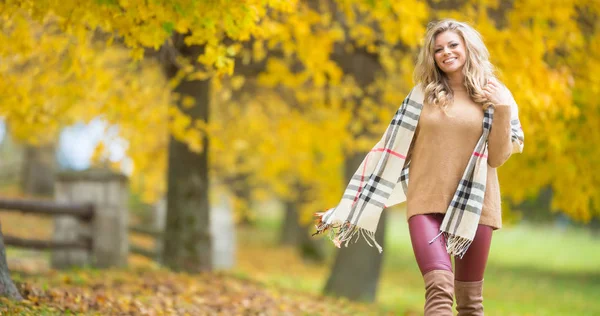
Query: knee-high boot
point(439, 292)
point(469, 298)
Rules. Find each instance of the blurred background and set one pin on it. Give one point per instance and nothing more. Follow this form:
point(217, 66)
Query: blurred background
point(230, 123)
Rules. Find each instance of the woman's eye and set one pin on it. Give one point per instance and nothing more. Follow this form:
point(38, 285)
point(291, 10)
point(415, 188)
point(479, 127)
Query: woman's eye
point(453, 45)
point(438, 50)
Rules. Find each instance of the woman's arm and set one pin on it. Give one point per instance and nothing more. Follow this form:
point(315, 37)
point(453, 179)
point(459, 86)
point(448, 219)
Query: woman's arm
point(499, 142)
point(506, 136)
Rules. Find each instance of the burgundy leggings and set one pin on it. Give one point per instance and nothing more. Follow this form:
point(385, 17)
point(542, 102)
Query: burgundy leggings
point(471, 267)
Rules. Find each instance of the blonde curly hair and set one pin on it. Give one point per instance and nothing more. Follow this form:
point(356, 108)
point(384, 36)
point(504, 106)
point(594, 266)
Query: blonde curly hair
point(477, 69)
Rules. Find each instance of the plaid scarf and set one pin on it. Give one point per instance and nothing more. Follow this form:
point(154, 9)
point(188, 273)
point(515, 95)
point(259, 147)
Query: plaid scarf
point(374, 185)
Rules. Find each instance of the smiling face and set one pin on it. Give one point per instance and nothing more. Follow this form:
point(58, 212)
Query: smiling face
point(449, 52)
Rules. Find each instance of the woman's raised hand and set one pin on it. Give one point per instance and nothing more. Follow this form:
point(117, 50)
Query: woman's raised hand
point(497, 93)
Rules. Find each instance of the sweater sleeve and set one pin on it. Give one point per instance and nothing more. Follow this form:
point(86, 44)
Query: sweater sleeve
point(499, 141)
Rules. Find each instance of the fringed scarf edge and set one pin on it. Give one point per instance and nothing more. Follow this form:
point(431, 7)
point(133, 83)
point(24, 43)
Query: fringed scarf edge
point(344, 232)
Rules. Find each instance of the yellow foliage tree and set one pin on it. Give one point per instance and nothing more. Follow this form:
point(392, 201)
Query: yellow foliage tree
point(195, 41)
point(544, 53)
point(309, 108)
point(52, 79)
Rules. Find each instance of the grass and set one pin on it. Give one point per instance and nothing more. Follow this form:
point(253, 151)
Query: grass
point(531, 270)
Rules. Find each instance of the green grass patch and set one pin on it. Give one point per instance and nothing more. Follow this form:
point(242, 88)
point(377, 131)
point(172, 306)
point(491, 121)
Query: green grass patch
point(531, 270)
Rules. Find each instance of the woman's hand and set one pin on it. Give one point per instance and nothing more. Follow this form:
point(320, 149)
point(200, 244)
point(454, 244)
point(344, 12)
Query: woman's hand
point(497, 93)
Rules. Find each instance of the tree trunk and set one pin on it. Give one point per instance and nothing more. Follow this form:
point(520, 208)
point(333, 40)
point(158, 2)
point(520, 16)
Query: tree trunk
point(11, 159)
point(294, 233)
point(241, 190)
point(7, 287)
point(290, 228)
point(538, 209)
point(355, 272)
point(311, 249)
point(37, 171)
point(187, 233)
point(595, 227)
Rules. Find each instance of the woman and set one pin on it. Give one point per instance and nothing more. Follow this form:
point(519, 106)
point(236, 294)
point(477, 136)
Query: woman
point(458, 124)
point(458, 80)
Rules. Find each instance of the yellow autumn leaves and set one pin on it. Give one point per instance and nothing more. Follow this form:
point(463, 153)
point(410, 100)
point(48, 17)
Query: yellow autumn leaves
point(331, 74)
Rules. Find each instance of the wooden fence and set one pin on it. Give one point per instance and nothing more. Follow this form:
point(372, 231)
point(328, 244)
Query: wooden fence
point(90, 220)
point(83, 212)
point(154, 254)
point(91, 224)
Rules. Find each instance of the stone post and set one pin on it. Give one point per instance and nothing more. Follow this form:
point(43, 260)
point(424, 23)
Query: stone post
point(108, 192)
point(222, 229)
point(159, 220)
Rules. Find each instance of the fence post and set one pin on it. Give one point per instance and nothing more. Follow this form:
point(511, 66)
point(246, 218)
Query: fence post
point(159, 219)
point(222, 229)
point(108, 192)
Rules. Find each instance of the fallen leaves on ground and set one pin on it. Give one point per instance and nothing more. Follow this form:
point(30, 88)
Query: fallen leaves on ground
point(162, 292)
point(255, 287)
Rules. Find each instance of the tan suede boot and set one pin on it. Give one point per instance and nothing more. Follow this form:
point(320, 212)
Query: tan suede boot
point(469, 298)
point(439, 292)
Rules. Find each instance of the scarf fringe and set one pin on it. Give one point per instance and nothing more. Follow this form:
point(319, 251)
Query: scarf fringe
point(456, 245)
point(344, 233)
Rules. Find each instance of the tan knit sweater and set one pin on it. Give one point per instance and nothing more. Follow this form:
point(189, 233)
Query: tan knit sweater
point(441, 149)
